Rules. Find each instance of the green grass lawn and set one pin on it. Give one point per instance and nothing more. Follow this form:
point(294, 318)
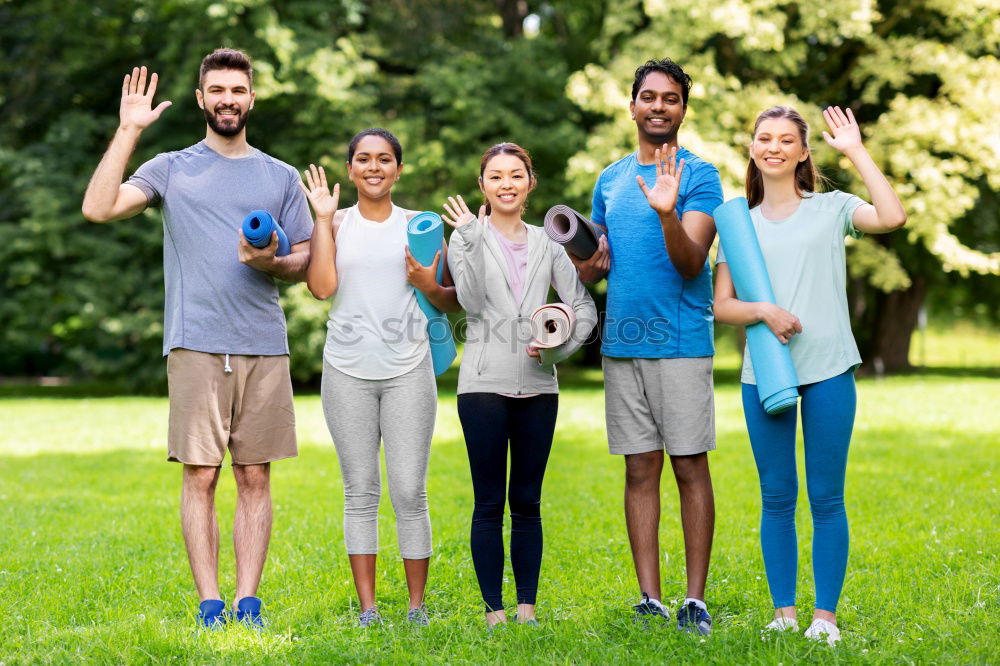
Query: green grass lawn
point(92, 565)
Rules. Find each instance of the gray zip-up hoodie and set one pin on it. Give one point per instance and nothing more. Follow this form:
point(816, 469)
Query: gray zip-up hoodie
point(495, 360)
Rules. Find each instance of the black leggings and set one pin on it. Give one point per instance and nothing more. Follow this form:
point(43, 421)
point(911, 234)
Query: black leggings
point(489, 421)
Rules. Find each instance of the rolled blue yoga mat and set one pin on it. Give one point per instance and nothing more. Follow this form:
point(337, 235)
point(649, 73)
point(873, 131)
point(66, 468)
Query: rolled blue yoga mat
point(257, 229)
point(425, 235)
point(777, 382)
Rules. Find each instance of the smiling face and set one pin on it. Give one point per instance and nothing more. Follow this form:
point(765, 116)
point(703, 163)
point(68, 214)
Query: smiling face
point(658, 108)
point(226, 98)
point(506, 183)
point(777, 148)
point(373, 169)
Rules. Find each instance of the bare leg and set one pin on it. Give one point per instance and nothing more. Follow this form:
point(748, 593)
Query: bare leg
point(525, 612)
point(201, 528)
point(785, 611)
point(363, 568)
point(416, 579)
point(642, 517)
point(252, 526)
point(493, 618)
point(694, 485)
point(824, 615)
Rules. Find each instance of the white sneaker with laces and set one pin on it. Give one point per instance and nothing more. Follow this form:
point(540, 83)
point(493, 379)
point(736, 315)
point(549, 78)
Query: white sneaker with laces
point(823, 630)
point(783, 624)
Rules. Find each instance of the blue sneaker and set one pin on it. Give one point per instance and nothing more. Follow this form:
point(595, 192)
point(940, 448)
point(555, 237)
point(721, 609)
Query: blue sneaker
point(648, 609)
point(693, 618)
point(212, 614)
point(248, 613)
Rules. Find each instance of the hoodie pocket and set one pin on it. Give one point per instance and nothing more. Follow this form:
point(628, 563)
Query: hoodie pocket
point(480, 358)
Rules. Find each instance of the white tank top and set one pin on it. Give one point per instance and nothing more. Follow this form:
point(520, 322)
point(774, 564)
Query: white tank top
point(376, 329)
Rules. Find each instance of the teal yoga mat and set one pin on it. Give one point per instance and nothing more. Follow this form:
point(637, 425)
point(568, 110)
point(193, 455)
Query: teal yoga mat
point(425, 235)
point(777, 382)
point(257, 229)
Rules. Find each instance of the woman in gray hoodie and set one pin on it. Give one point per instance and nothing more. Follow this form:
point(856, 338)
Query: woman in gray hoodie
point(507, 388)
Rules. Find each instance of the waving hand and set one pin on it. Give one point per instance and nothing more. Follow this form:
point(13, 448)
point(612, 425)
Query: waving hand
point(663, 196)
point(136, 111)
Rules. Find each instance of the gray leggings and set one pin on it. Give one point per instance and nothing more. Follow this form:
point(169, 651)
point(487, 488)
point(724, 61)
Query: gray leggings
point(399, 411)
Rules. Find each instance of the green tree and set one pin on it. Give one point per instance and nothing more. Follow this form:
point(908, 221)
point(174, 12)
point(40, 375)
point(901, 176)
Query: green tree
point(922, 78)
point(449, 77)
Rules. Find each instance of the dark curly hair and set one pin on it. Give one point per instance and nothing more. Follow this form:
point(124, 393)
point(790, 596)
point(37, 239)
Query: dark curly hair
point(665, 66)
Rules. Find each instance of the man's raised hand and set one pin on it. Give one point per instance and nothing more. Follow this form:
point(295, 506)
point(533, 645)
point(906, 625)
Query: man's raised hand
point(663, 195)
point(137, 112)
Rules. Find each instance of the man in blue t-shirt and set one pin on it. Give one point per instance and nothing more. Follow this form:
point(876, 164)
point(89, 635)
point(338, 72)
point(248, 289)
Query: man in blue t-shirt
point(224, 332)
point(656, 205)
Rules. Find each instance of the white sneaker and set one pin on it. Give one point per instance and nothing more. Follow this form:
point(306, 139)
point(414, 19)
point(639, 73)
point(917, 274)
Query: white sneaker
point(783, 624)
point(823, 630)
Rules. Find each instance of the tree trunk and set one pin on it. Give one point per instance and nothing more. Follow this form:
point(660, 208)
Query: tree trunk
point(512, 12)
point(895, 321)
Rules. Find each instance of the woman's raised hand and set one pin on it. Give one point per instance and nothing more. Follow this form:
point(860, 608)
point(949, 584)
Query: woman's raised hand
point(459, 213)
point(323, 202)
point(846, 133)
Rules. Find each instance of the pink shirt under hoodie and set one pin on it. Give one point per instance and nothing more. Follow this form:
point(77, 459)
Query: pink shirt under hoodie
point(516, 255)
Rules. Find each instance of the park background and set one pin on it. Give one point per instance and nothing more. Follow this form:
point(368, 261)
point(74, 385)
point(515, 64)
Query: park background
point(91, 564)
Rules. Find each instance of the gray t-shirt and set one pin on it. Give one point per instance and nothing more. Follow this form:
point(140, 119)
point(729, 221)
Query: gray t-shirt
point(214, 303)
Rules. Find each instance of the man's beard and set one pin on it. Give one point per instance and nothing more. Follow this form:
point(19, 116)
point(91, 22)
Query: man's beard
point(225, 130)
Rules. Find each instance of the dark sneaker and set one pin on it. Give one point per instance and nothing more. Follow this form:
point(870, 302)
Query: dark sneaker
point(648, 609)
point(212, 614)
point(694, 619)
point(248, 613)
point(369, 618)
point(418, 616)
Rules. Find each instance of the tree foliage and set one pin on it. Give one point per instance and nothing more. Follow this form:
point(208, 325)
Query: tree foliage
point(450, 78)
point(923, 80)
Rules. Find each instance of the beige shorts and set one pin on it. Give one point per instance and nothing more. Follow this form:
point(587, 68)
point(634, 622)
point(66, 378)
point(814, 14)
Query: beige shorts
point(657, 404)
point(249, 410)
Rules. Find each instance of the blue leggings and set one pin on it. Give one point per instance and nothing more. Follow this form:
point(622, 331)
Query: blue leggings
point(827, 420)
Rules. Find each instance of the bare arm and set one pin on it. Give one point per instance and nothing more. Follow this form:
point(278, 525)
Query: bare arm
point(887, 213)
point(289, 268)
point(107, 198)
point(321, 269)
point(687, 239)
point(730, 310)
point(443, 296)
point(595, 268)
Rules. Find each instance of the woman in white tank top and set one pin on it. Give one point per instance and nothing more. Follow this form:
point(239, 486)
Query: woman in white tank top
point(378, 380)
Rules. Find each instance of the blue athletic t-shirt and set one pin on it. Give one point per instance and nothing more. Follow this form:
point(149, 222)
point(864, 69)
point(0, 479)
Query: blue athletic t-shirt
point(653, 312)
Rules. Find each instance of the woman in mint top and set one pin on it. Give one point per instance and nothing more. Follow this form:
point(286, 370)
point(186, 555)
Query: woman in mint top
point(801, 234)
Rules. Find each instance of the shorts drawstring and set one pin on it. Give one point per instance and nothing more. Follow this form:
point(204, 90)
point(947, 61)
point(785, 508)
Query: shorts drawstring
point(228, 369)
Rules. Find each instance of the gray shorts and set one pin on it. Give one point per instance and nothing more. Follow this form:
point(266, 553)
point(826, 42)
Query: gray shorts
point(656, 404)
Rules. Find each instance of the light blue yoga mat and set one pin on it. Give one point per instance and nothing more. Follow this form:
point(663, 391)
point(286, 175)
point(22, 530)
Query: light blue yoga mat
point(777, 382)
point(257, 229)
point(425, 235)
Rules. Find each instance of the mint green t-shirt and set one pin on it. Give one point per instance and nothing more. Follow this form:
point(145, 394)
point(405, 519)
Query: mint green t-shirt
point(806, 262)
